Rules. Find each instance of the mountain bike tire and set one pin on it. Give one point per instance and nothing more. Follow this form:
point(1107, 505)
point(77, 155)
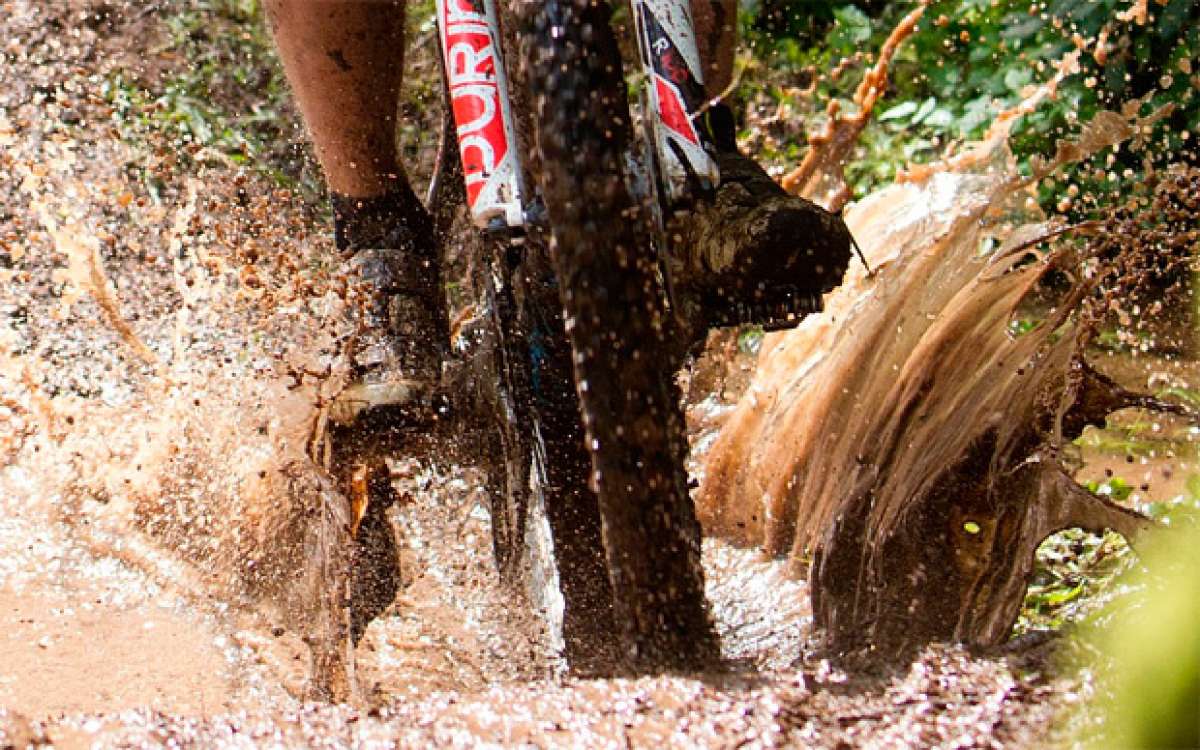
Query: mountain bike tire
point(616, 320)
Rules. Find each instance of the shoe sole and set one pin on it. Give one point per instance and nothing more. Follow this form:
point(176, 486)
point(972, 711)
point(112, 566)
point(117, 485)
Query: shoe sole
point(358, 398)
point(780, 310)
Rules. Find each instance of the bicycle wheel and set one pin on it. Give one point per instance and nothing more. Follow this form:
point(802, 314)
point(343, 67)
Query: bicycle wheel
point(619, 331)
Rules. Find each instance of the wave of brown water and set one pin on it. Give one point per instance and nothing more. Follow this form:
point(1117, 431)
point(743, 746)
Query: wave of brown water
point(945, 242)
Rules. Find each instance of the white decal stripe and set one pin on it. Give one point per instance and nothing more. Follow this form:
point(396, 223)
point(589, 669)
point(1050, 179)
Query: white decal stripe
point(676, 19)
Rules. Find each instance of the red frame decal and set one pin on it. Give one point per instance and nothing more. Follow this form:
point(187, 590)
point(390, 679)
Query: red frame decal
point(673, 111)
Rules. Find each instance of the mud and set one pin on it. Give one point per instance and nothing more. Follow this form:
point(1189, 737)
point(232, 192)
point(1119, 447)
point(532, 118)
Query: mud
point(167, 335)
point(81, 633)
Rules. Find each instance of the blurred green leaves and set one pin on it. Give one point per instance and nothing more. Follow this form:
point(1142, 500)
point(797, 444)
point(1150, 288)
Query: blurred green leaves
point(1148, 674)
point(852, 27)
point(970, 60)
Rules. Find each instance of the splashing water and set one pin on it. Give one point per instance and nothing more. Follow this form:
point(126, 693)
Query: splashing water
point(905, 442)
point(159, 402)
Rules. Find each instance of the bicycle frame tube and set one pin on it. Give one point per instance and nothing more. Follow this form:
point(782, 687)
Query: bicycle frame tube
point(675, 78)
point(469, 33)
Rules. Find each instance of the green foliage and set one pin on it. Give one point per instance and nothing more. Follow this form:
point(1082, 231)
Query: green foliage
point(970, 60)
point(1148, 674)
point(1181, 510)
point(1188, 396)
point(1075, 574)
point(1137, 438)
point(227, 96)
point(750, 339)
point(1079, 573)
point(1020, 326)
point(1115, 489)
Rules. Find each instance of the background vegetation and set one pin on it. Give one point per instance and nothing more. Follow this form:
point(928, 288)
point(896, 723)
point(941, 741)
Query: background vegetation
point(968, 61)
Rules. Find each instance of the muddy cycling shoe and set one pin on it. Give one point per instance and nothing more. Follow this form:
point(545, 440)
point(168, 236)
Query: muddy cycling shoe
point(753, 254)
point(397, 351)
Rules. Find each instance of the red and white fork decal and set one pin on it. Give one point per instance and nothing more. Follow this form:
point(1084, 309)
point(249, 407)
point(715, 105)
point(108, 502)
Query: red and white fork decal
point(671, 61)
point(479, 98)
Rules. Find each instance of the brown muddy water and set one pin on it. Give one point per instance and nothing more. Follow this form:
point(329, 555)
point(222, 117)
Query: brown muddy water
point(166, 334)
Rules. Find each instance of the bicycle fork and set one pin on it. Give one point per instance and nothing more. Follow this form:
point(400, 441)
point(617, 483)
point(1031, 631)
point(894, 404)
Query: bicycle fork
point(469, 31)
point(498, 198)
point(670, 60)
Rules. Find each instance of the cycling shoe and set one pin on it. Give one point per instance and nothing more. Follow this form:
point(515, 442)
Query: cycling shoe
point(401, 336)
point(753, 253)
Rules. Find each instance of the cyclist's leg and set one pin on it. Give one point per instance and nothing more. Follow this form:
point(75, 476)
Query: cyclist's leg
point(344, 61)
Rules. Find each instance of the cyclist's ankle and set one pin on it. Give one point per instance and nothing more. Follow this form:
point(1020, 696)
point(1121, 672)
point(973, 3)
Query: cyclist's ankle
point(396, 219)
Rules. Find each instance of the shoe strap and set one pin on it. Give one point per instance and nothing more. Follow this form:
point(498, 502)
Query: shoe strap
point(390, 271)
point(720, 126)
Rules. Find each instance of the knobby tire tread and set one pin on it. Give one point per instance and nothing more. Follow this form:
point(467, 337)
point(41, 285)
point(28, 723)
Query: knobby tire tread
point(619, 332)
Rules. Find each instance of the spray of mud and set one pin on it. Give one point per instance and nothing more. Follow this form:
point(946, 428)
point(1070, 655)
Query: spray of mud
point(166, 370)
point(202, 441)
point(170, 364)
point(926, 237)
point(907, 423)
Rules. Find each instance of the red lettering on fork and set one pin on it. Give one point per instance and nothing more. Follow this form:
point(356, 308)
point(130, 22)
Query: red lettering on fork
point(474, 94)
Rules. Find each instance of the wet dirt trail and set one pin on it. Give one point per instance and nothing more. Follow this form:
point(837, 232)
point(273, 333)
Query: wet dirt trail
point(154, 312)
point(80, 631)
